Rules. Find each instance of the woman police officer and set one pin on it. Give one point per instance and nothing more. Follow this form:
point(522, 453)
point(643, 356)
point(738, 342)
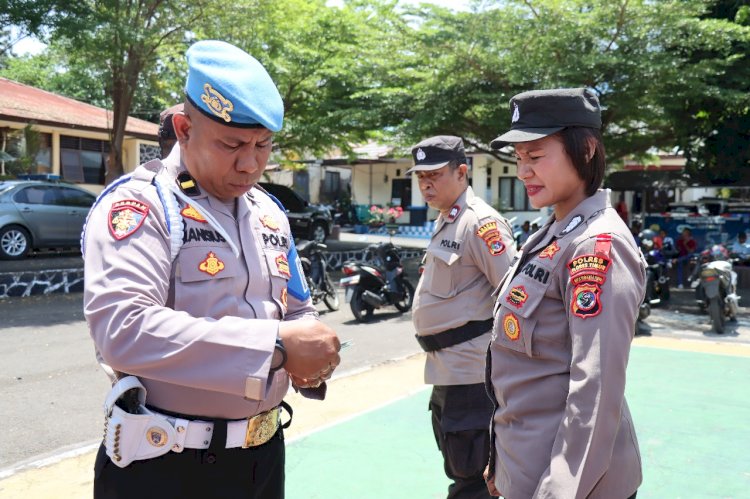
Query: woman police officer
point(564, 317)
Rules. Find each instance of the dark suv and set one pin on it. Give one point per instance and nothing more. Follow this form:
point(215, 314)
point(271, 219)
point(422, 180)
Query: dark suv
point(37, 214)
point(307, 220)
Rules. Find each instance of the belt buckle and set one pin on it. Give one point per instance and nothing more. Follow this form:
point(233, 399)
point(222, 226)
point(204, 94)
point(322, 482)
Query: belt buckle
point(261, 427)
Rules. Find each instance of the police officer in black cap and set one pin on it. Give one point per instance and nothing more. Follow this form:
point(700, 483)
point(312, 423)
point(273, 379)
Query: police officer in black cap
point(167, 136)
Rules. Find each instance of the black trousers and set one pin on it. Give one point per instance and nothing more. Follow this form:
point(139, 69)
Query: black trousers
point(254, 473)
point(461, 417)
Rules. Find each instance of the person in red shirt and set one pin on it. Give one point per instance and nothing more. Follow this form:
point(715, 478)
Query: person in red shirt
point(686, 246)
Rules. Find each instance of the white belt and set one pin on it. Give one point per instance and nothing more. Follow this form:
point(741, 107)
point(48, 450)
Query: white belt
point(145, 433)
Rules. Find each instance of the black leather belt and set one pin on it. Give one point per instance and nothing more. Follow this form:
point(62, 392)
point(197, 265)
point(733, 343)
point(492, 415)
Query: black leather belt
point(450, 337)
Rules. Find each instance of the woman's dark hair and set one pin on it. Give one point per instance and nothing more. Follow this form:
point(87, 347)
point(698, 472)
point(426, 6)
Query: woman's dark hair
point(576, 142)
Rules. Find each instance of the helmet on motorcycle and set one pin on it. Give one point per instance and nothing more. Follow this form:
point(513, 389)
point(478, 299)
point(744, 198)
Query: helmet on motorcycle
point(719, 252)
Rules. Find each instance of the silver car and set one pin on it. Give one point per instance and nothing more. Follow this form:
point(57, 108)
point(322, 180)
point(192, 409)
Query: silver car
point(36, 214)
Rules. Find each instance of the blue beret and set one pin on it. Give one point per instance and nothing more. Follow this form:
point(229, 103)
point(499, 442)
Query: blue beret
point(231, 87)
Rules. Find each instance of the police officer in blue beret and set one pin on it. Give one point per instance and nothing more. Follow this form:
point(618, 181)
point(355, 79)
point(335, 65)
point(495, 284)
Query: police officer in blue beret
point(196, 301)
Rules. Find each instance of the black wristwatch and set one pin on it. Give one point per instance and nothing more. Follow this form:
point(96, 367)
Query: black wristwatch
point(279, 356)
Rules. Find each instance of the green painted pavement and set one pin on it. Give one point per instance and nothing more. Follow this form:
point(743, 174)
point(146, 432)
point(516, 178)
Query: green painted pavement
point(691, 411)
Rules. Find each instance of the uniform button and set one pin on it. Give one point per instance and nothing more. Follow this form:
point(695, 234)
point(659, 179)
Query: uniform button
point(211, 458)
point(180, 429)
point(208, 428)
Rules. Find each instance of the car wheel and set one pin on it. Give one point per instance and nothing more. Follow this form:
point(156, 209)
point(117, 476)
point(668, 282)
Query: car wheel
point(318, 232)
point(15, 242)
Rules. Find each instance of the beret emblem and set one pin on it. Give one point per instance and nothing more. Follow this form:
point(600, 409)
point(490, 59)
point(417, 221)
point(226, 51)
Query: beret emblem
point(217, 103)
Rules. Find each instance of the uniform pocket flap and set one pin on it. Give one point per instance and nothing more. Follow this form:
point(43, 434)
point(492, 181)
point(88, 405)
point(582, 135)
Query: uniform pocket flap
point(448, 257)
point(522, 298)
point(205, 263)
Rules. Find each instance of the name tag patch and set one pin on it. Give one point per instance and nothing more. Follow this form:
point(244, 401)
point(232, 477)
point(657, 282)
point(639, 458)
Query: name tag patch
point(199, 234)
point(447, 243)
point(126, 217)
point(537, 273)
point(275, 241)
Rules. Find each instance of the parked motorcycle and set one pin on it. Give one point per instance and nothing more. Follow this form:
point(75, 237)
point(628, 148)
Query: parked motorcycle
point(716, 286)
point(657, 271)
point(315, 267)
point(378, 281)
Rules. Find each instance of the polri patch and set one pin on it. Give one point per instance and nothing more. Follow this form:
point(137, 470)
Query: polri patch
point(550, 251)
point(191, 213)
point(282, 264)
point(269, 222)
point(511, 327)
point(126, 217)
point(491, 236)
point(588, 263)
point(517, 296)
point(211, 265)
point(586, 301)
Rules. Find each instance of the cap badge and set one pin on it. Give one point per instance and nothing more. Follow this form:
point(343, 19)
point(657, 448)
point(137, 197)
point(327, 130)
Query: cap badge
point(420, 154)
point(516, 114)
point(125, 217)
point(217, 103)
point(211, 265)
point(193, 214)
point(511, 327)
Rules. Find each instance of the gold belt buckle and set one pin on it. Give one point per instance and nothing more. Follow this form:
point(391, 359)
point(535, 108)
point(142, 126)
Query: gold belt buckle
point(261, 427)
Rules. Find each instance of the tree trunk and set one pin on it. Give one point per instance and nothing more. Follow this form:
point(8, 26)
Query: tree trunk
point(123, 88)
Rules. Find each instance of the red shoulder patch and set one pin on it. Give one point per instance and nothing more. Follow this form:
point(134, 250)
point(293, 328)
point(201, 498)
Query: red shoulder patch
point(126, 217)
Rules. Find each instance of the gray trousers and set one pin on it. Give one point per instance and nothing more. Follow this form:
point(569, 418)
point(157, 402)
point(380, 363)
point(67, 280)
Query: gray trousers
point(461, 417)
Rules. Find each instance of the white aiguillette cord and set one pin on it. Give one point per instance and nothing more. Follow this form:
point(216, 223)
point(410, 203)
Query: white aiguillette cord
point(209, 218)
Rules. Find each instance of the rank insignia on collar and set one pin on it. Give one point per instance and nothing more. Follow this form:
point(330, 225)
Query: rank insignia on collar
point(491, 236)
point(517, 296)
point(586, 300)
point(282, 264)
point(454, 212)
point(283, 298)
point(549, 251)
point(269, 222)
point(217, 103)
point(187, 184)
point(125, 217)
point(192, 213)
point(211, 265)
point(511, 327)
point(574, 222)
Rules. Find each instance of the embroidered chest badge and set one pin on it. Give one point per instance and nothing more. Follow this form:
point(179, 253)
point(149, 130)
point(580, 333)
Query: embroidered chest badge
point(217, 103)
point(550, 251)
point(511, 327)
point(125, 217)
point(192, 214)
point(269, 222)
point(282, 264)
point(211, 265)
point(491, 236)
point(517, 296)
point(586, 300)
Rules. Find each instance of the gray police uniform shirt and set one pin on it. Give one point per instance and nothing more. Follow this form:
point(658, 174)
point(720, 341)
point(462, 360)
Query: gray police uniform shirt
point(564, 321)
point(468, 255)
point(198, 332)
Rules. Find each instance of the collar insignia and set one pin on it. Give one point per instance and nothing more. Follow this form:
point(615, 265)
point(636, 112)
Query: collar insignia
point(549, 251)
point(217, 103)
point(454, 212)
point(511, 327)
point(125, 217)
point(420, 154)
point(282, 264)
point(187, 184)
point(269, 222)
point(191, 213)
point(211, 265)
point(574, 222)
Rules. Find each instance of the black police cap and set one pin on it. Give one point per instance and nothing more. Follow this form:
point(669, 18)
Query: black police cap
point(436, 152)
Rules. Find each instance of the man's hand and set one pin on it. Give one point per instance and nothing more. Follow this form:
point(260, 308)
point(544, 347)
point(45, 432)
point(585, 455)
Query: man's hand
point(312, 350)
point(489, 480)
